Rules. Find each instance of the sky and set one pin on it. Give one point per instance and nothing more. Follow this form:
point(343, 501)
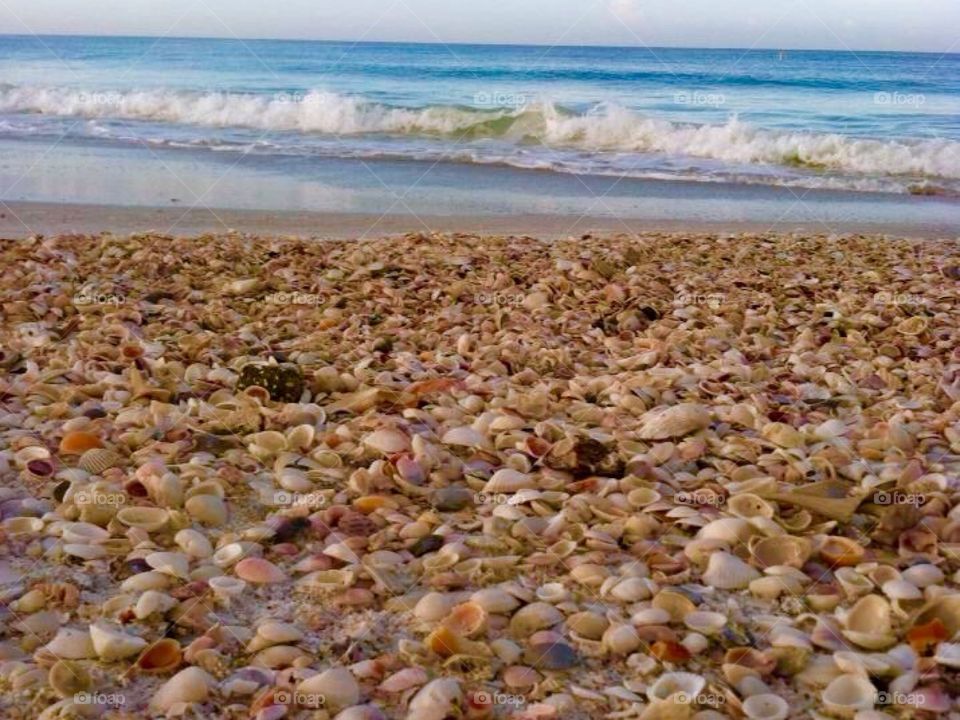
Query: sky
point(916, 25)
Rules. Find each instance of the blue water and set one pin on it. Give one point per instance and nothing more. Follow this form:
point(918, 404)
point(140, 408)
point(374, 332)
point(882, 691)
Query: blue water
point(880, 122)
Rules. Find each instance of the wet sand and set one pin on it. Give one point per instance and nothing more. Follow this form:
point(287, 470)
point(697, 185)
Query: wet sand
point(20, 219)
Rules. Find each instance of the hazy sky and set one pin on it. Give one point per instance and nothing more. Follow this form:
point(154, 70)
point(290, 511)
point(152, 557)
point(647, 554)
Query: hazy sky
point(931, 25)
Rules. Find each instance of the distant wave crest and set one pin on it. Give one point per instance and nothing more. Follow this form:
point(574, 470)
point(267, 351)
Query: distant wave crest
point(605, 128)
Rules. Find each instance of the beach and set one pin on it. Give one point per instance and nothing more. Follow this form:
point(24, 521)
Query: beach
point(572, 472)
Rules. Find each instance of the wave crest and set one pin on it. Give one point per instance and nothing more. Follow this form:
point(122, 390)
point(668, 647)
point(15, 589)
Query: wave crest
point(606, 128)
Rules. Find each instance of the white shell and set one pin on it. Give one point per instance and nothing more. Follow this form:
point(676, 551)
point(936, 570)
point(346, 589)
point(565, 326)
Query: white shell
point(705, 622)
point(728, 572)
point(338, 687)
point(849, 694)
point(387, 441)
point(111, 643)
point(193, 543)
point(171, 563)
point(508, 480)
point(190, 685)
point(495, 601)
point(436, 700)
point(766, 706)
point(948, 654)
point(151, 602)
point(687, 686)
point(71, 644)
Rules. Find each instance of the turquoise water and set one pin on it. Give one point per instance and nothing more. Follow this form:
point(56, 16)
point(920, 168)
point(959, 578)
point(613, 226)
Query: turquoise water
point(875, 122)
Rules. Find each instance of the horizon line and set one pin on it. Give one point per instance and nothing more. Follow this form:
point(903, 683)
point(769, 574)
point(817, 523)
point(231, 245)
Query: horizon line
point(121, 36)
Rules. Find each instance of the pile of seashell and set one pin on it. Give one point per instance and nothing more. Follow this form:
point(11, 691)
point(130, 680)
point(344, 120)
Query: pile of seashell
point(484, 478)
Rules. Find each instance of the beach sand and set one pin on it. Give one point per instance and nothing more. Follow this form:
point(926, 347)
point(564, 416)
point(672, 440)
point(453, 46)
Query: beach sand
point(504, 476)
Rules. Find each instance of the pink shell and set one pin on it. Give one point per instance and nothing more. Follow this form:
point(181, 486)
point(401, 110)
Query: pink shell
point(404, 680)
point(259, 571)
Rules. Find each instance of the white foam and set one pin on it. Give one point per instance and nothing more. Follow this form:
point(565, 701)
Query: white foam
point(606, 128)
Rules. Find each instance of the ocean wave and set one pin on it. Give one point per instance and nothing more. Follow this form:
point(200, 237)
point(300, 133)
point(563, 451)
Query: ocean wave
point(605, 128)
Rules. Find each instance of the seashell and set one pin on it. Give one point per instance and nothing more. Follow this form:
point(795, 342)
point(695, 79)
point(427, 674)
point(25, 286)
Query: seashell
point(494, 601)
point(207, 509)
point(683, 687)
point(705, 622)
point(901, 590)
point(508, 480)
point(840, 551)
point(273, 632)
point(748, 505)
point(20, 526)
point(78, 442)
point(437, 700)
point(589, 574)
point(387, 441)
point(853, 583)
point(112, 644)
point(642, 497)
point(912, 326)
point(279, 656)
point(83, 533)
point(868, 623)
point(783, 435)
point(434, 606)
point(766, 706)
point(621, 639)
point(729, 530)
point(923, 575)
point(337, 686)
point(728, 572)
point(150, 519)
point(466, 437)
point(467, 619)
point(226, 588)
point(553, 655)
point(849, 694)
point(780, 550)
point(151, 602)
point(190, 685)
point(301, 437)
point(97, 460)
point(160, 657)
point(170, 563)
point(675, 603)
point(589, 625)
point(631, 589)
point(650, 616)
point(193, 543)
point(68, 678)
point(533, 617)
point(259, 571)
point(674, 421)
point(71, 644)
point(405, 679)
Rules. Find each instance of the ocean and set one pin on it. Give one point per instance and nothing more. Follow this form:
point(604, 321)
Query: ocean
point(805, 121)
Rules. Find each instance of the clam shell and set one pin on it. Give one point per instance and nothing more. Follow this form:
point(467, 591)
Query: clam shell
point(170, 563)
point(766, 706)
point(705, 622)
point(207, 509)
point(259, 571)
point(728, 572)
point(780, 550)
point(68, 678)
point(674, 421)
point(748, 505)
point(849, 694)
point(71, 644)
point(160, 657)
point(98, 460)
point(687, 686)
point(337, 686)
point(387, 441)
point(190, 685)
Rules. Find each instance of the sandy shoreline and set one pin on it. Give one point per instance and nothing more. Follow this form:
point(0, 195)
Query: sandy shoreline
point(21, 219)
point(490, 477)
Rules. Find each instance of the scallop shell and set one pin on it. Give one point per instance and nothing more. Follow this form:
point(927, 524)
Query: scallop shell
point(98, 460)
point(78, 442)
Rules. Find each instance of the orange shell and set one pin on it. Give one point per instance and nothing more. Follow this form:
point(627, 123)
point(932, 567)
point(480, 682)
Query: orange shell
point(78, 442)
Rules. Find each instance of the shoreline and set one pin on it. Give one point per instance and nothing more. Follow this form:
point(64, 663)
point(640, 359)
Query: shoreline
point(19, 219)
